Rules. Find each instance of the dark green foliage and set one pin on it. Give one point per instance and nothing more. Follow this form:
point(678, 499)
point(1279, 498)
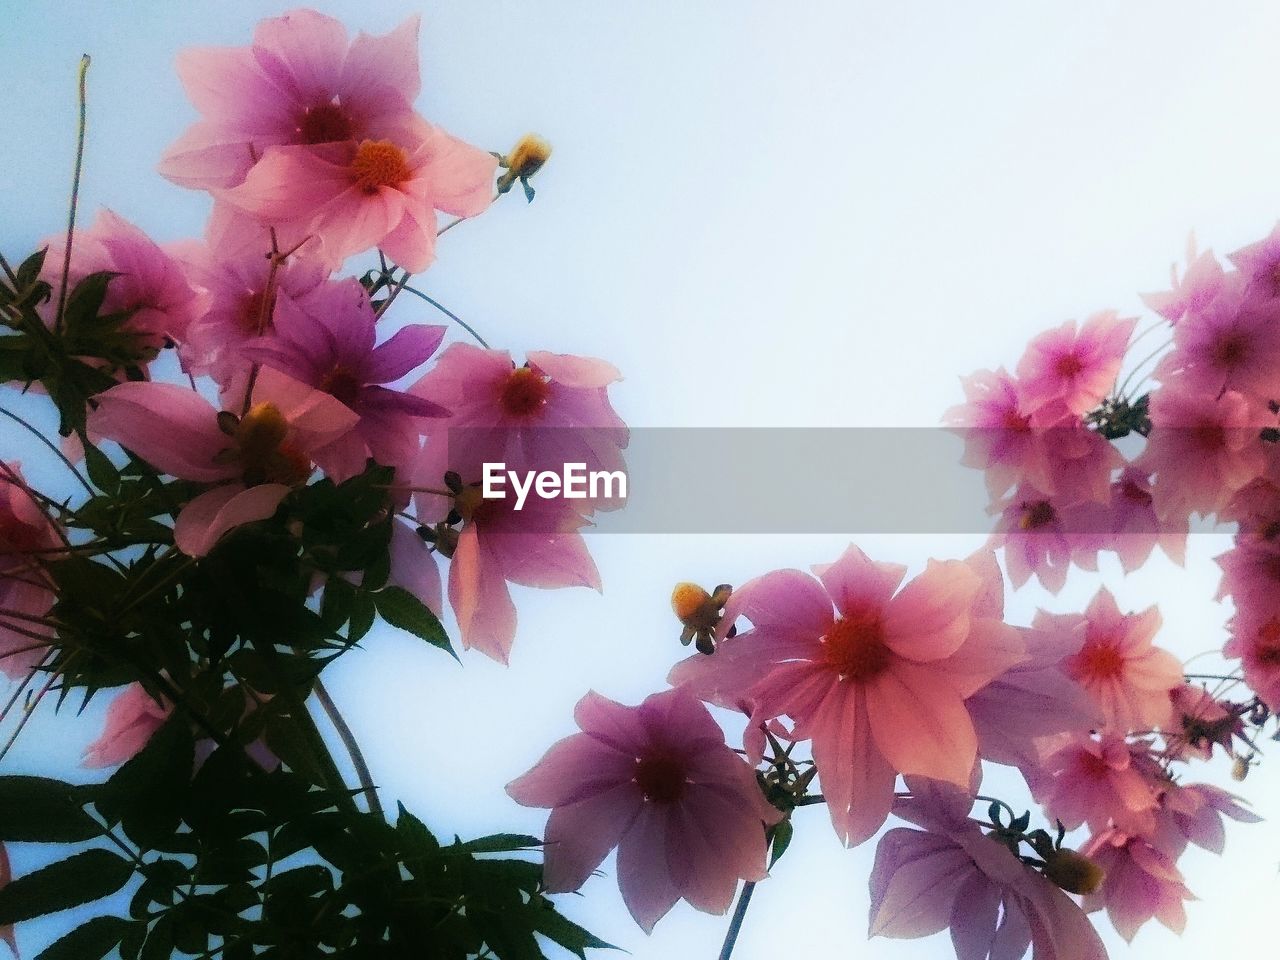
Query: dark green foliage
point(217, 849)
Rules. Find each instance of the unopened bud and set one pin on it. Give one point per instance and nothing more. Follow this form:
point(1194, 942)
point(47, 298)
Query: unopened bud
point(1073, 872)
point(526, 158)
point(1239, 769)
point(260, 434)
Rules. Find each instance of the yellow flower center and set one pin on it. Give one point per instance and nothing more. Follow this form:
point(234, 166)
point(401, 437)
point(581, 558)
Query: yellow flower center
point(523, 393)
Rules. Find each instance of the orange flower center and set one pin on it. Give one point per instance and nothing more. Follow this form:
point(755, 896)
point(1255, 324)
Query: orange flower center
point(1038, 514)
point(324, 124)
point(661, 779)
point(523, 393)
point(1100, 660)
point(379, 163)
point(1266, 648)
point(854, 647)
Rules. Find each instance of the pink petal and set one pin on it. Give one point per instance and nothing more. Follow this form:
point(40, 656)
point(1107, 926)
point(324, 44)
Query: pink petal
point(204, 521)
point(920, 724)
point(580, 835)
point(173, 428)
point(643, 877)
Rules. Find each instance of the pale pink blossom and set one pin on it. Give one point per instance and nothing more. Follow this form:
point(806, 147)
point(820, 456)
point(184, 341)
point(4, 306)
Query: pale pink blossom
point(878, 684)
point(149, 282)
point(253, 461)
point(552, 411)
point(999, 438)
point(1255, 642)
point(1073, 369)
point(329, 341)
point(659, 783)
point(1135, 529)
point(1194, 290)
point(1118, 663)
point(28, 538)
point(952, 876)
point(133, 719)
point(1141, 883)
point(299, 82)
point(1201, 450)
point(1260, 264)
point(1099, 781)
point(1194, 814)
point(1042, 536)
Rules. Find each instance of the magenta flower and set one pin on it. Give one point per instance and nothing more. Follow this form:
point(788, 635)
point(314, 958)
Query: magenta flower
point(1231, 344)
point(1069, 370)
point(1099, 781)
point(132, 720)
point(551, 411)
point(995, 424)
point(27, 537)
point(1140, 884)
point(297, 83)
point(237, 308)
point(253, 462)
point(658, 782)
point(1193, 814)
point(150, 282)
point(1260, 264)
point(952, 876)
point(1042, 536)
point(879, 685)
point(1135, 529)
point(327, 341)
point(1255, 641)
point(1119, 665)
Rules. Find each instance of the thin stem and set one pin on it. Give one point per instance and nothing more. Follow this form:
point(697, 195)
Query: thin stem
point(391, 297)
point(75, 194)
point(451, 315)
point(1140, 364)
point(353, 748)
point(52, 446)
point(28, 710)
point(735, 923)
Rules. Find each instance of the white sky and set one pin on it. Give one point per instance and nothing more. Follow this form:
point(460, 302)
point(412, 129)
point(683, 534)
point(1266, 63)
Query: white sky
point(812, 214)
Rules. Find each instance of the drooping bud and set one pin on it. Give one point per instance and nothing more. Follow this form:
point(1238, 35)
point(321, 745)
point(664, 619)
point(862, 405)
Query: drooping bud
point(1073, 872)
point(699, 612)
point(525, 159)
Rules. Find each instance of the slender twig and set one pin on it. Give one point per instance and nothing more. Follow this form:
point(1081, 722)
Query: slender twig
point(75, 194)
point(26, 715)
point(353, 748)
point(735, 923)
point(52, 446)
point(451, 315)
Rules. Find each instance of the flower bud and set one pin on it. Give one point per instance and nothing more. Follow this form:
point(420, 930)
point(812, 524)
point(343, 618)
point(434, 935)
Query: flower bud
point(525, 159)
point(1073, 872)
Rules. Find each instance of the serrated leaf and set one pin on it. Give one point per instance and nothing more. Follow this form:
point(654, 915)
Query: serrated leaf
point(40, 810)
point(92, 940)
point(82, 878)
point(402, 609)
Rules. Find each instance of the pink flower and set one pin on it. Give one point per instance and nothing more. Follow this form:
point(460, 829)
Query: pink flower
point(254, 461)
point(1099, 781)
point(1231, 344)
point(1135, 529)
point(879, 685)
point(327, 341)
point(1073, 370)
point(537, 546)
point(298, 83)
point(1194, 291)
point(1255, 641)
point(551, 411)
point(1200, 723)
point(1201, 450)
point(413, 568)
point(1140, 884)
point(1260, 264)
point(658, 782)
point(999, 438)
point(1128, 676)
point(953, 876)
point(132, 720)
point(1043, 536)
point(235, 290)
point(150, 282)
point(27, 538)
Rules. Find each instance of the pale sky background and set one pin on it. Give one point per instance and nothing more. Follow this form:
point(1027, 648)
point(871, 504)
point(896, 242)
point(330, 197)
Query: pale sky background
point(805, 214)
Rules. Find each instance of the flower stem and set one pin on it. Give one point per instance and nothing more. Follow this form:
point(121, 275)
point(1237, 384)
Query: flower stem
point(735, 924)
point(353, 748)
point(75, 193)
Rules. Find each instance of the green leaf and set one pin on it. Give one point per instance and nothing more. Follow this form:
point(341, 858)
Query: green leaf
point(43, 811)
point(102, 471)
point(92, 940)
point(563, 931)
point(148, 793)
point(81, 878)
point(499, 843)
point(402, 609)
point(782, 833)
